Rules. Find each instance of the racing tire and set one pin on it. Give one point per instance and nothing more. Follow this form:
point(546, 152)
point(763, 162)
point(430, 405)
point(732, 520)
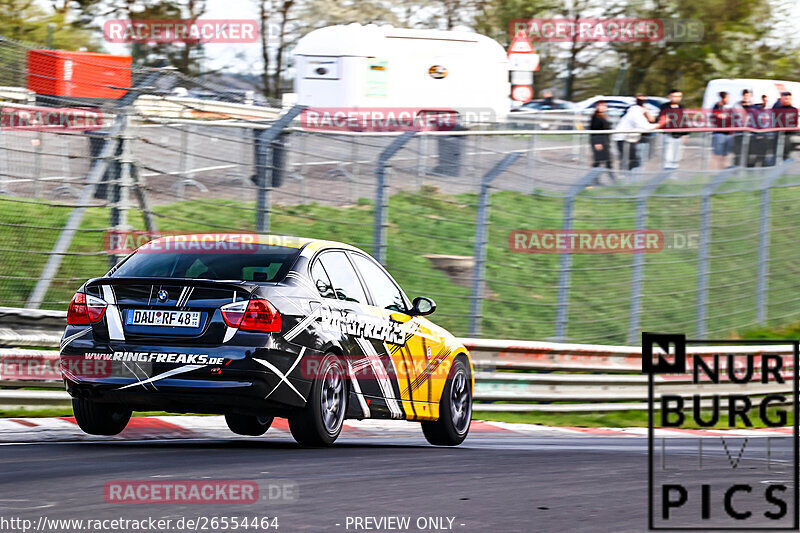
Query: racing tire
point(99, 418)
point(320, 421)
point(250, 425)
point(455, 409)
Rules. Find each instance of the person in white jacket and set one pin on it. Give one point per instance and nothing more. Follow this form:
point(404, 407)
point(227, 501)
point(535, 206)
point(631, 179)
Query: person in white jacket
point(635, 118)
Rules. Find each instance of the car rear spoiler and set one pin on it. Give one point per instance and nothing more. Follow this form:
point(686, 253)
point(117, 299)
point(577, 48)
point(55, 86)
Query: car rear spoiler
point(178, 282)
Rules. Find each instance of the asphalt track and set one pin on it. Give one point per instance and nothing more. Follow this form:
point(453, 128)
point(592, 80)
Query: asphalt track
point(487, 484)
point(494, 482)
point(491, 483)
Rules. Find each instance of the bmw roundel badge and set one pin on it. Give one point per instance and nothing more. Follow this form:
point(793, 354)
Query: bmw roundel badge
point(163, 295)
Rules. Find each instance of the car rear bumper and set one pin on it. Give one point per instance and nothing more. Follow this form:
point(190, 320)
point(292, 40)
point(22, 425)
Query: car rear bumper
point(186, 379)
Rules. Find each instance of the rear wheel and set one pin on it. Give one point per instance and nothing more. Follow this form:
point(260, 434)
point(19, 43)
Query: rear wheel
point(455, 409)
point(99, 418)
point(251, 425)
point(321, 420)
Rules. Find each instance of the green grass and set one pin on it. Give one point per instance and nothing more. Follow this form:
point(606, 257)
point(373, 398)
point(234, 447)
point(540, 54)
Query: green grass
point(611, 419)
point(522, 288)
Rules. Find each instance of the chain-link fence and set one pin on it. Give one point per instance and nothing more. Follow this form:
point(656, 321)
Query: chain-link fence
point(443, 210)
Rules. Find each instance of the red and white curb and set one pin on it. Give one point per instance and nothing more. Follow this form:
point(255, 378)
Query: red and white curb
point(214, 427)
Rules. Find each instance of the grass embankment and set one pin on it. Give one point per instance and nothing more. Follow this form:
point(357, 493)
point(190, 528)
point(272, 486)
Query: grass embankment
point(522, 288)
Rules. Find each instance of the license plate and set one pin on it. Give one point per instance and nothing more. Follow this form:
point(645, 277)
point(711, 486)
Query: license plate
point(181, 319)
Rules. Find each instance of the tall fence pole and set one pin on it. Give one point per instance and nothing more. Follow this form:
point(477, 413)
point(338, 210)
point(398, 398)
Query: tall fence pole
point(122, 187)
point(705, 241)
point(565, 261)
point(637, 276)
point(263, 161)
point(382, 197)
point(481, 242)
point(763, 240)
point(529, 162)
point(37, 164)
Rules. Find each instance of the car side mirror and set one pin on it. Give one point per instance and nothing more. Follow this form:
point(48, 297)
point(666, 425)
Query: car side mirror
point(422, 306)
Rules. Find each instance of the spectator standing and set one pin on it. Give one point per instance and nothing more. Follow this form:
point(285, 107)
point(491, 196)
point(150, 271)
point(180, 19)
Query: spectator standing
point(547, 99)
point(601, 144)
point(785, 116)
point(720, 141)
point(764, 102)
point(673, 142)
point(745, 114)
point(628, 144)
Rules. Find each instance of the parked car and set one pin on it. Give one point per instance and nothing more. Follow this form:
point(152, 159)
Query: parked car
point(617, 105)
point(545, 114)
point(543, 104)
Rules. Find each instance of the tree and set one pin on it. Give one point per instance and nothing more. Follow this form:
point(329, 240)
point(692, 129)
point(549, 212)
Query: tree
point(27, 22)
point(186, 57)
point(264, 13)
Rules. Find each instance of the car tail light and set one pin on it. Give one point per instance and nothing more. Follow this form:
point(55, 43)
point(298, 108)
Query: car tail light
point(252, 315)
point(85, 309)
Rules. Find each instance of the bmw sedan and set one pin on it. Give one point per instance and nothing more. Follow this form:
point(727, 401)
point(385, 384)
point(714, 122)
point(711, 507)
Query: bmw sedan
point(254, 327)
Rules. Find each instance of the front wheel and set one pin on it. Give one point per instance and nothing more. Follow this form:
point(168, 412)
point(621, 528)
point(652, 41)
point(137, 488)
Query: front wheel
point(99, 418)
point(455, 409)
point(248, 424)
point(320, 421)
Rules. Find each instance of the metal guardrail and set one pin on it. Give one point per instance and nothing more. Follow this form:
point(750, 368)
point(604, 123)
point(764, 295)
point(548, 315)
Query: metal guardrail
point(520, 376)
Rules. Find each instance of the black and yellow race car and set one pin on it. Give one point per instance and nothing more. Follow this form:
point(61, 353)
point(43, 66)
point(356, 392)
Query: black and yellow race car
point(256, 327)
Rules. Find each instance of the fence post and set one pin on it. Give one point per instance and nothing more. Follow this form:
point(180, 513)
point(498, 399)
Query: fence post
point(4, 176)
point(565, 261)
point(705, 233)
point(779, 145)
point(637, 276)
point(37, 165)
point(422, 142)
point(121, 189)
point(263, 147)
point(529, 162)
point(763, 241)
point(745, 155)
point(626, 157)
point(382, 198)
point(481, 227)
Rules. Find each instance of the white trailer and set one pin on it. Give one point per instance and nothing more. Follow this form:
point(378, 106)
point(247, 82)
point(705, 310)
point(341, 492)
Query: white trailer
point(367, 67)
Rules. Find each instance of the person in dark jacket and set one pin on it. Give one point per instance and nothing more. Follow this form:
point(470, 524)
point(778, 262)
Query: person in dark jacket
point(673, 141)
point(720, 140)
point(601, 143)
point(785, 116)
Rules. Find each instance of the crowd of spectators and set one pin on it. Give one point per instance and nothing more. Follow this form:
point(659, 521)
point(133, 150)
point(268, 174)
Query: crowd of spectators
point(766, 130)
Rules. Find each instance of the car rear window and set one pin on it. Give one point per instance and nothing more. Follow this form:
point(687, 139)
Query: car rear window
point(265, 263)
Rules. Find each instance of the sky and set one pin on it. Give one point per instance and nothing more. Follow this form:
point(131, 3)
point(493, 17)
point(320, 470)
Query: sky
point(222, 55)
